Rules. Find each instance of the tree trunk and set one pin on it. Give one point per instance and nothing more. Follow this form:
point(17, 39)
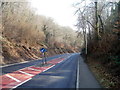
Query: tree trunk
point(101, 24)
point(96, 22)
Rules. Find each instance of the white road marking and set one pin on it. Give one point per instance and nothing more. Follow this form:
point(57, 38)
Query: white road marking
point(13, 78)
point(21, 83)
point(77, 83)
point(60, 61)
point(48, 68)
point(34, 69)
point(25, 73)
point(30, 78)
point(19, 63)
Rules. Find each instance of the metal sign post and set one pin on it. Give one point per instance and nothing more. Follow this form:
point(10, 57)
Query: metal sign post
point(43, 58)
point(45, 61)
point(43, 50)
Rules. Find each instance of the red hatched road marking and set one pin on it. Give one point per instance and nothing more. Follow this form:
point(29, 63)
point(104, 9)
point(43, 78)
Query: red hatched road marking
point(55, 61)
point(29, 71)
point(20, 76)
point(13, 78)
point(38, 68)
point(33, 69)
point(17, 78)
point(7, 82)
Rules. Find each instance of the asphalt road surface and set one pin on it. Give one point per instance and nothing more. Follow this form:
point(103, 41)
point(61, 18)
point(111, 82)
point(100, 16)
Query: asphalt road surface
point(61, 71)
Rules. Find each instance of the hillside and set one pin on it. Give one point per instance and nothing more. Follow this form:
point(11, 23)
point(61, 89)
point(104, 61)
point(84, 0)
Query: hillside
point(13, 52)
point(24, 33)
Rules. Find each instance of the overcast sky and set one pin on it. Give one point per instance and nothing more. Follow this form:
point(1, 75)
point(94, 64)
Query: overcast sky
point(61, 11)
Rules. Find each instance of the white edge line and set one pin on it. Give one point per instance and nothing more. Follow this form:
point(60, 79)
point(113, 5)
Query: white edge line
point(77, 83)
point(19, 63)
point(22, 62)
point(25, 73)
point(13, 78)
point(21, 83)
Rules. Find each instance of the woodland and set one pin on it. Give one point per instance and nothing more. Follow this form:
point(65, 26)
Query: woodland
point(23, 33)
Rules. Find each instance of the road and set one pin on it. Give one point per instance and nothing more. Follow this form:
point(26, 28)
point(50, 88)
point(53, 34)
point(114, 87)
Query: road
point(61, 71)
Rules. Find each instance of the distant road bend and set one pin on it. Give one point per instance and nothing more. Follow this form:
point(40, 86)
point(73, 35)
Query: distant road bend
point(61, 71)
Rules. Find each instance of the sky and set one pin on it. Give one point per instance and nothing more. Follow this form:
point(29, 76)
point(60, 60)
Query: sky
point(61, 11)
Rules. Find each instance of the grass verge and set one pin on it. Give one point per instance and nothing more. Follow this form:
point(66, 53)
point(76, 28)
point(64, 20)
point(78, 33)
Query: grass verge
point(101, 73)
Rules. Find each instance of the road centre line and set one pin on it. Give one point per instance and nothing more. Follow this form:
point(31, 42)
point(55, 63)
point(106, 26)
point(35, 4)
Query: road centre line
point(13, 78)
point(21, 83)
point(25, 73)
point(48, 68)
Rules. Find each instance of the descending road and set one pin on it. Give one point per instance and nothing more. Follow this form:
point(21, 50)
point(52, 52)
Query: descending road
point(63, 75)
point(14, 67)
point(61, 71)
